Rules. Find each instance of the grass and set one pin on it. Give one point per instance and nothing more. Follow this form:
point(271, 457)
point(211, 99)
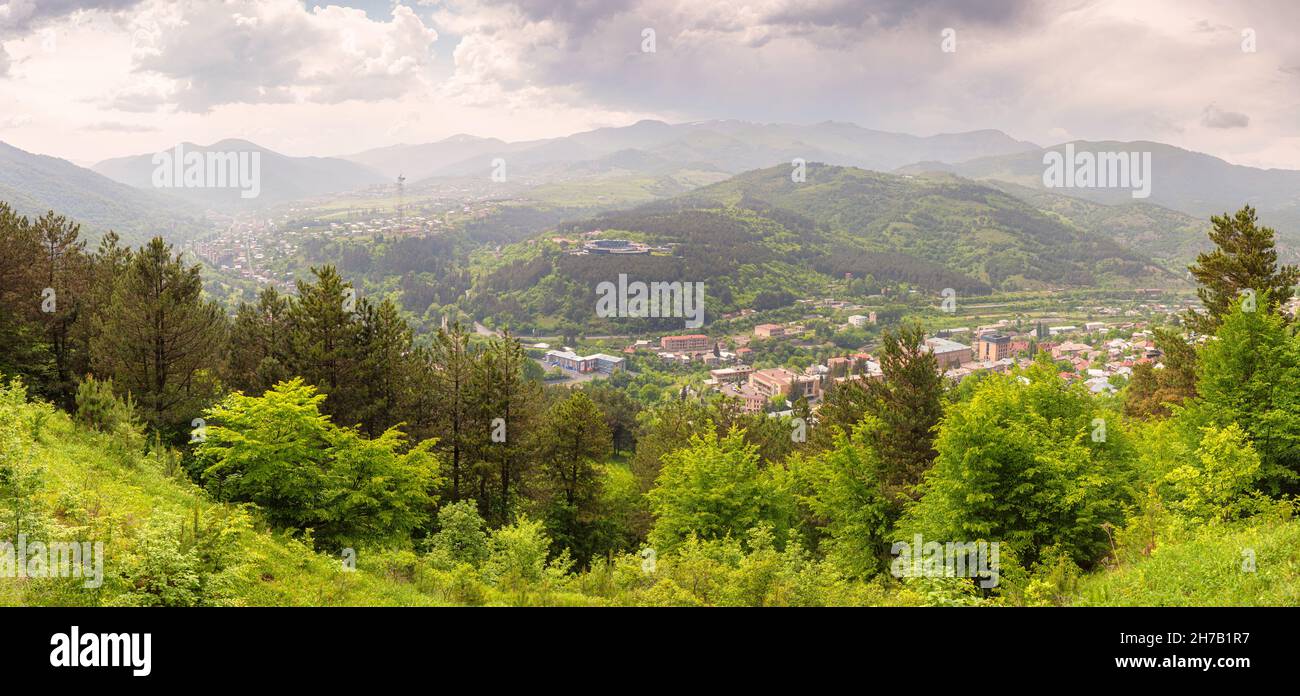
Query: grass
point(1209, 569)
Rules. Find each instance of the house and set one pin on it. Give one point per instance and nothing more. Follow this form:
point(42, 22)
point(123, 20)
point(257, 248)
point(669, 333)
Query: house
point(769, 330)
point(1069, 349)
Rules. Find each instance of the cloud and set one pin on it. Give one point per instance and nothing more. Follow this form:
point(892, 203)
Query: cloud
point(17, 17)
point(4, 62)
point(116, 127)
point(278, 52)
point(1214, 117)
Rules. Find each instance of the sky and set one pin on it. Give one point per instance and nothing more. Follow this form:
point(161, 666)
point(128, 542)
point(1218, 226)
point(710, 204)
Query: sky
point(92, 79)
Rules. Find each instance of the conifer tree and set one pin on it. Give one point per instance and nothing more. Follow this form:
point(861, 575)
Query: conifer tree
point(159, 339)
point(1244, 259)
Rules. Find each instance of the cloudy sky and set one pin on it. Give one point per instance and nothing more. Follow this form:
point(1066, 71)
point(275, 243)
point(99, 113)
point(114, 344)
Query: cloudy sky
point(90, 79)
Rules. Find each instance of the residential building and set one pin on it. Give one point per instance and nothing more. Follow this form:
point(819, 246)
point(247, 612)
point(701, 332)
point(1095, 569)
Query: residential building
point(992, 347)
point(779, 380)
point(690, 343)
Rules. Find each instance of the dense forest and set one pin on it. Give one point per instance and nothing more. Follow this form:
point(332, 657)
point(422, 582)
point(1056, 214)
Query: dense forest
point(311, 448)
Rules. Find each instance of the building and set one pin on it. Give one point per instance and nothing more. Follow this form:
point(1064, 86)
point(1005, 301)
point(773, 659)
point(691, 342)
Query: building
point(992, 347)
point(752, 401)
point(948, 353)
point(690, 343)
point(769, 330)
point(859, 320)
point(728, 375)
point(597, 362)
point(790, 384)
point(1069, 349)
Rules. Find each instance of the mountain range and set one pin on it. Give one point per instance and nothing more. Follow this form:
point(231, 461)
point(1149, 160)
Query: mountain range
point(34, 184)
point(657, 147)
point(282, 178)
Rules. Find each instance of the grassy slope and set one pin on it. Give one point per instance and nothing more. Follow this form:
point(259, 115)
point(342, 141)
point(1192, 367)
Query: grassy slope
point(120, 494)
point(123, 494)
point(1207, 570)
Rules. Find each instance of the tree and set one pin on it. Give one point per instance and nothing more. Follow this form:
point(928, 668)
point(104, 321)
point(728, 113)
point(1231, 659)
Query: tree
point(1244, 259)
point(908, 405)
point(714, 488)
point(461, 537)
point(1250, 375)
point(620, 414)
point(503, 405)
point(64, 270)
point(1154, 392)
point(448, 370)
point(280, 452)
point(574, 444)
point(383, 365)
point(323, 342)
point(1030, 464)
point(846, 494)
point(159, 339)
point(259, 346)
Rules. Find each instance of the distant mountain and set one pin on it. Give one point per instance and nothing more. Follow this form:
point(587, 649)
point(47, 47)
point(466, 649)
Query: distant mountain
point(282, 178)
point(34, 184)
point(1191, 182)
point(727, 146)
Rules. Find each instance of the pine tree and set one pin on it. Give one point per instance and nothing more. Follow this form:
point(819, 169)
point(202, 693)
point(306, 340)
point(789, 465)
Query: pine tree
point(574, 444)
point(323, 330)
point(907, 403)
point(260, 343)
point(499, 390)
point(159, 339)
point(1244, 259)
point(449, 368)
point(64, 269)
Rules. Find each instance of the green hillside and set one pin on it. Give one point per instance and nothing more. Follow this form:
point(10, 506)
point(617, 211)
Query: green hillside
point(167, 543)
point(35, 184)
point(759, 234)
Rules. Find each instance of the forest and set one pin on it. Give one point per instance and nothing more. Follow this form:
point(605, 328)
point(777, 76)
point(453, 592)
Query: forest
point(311, 448)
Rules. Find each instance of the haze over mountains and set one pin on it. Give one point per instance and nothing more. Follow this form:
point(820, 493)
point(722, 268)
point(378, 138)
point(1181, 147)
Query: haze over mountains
point(283, 178)
point(1186, 187)
point(1192, 182)
point(34, 184)
point(728, 146)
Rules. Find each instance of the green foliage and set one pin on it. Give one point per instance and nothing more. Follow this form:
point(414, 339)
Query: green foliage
point(1250, 375)
point(1028, 462)
point(714, 488)
point(280, 452)
point(1244, 260)
point(158, 339)
point(461, 537)
point(845, 489)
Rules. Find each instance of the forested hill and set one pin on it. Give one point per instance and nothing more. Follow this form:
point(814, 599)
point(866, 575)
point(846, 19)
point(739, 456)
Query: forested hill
point(760, 234)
